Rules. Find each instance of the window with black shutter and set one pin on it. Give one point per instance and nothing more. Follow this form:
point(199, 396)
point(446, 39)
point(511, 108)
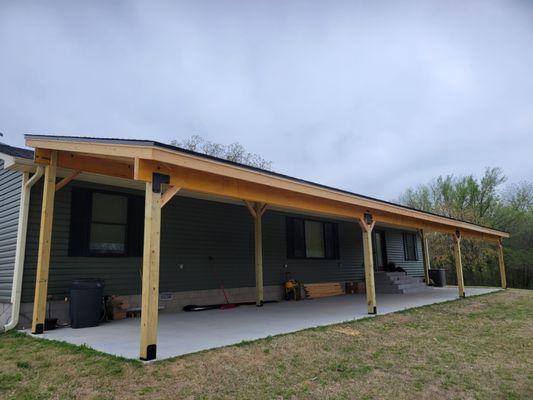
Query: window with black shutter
point(409, 247)
point(105, 224)
point(312, 239)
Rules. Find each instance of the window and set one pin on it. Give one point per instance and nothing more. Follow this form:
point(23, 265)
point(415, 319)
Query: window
point(311, 239)
point(109, 224)
point(105, 224)
point(379, 250)
point(409, 247)
point(314, 239)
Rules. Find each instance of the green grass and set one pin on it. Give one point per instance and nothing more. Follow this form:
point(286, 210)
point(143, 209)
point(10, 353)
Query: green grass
point(477, 348)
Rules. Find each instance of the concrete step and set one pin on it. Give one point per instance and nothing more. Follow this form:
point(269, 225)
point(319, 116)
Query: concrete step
point(404, 279)
point(411, 285)
point(397, 283)
point(389, 274)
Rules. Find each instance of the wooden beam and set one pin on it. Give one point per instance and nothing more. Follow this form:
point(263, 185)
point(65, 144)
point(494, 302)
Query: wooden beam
point(167, 157)
point(45, 242)
point(85, 163)
point(42, 156)
point(366, 230)
point(202, 182)
point(212, 183)
point(65, 181)
point(169, 194)
point(258, 238)
point(458, 263)
point(425, 252)
point(502, 265)
point(150, 273)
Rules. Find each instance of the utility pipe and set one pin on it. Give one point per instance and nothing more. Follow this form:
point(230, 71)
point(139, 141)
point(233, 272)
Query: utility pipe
point(20, 251)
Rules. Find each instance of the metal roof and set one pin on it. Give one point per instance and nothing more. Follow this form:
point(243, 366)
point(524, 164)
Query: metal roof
point(16, 151)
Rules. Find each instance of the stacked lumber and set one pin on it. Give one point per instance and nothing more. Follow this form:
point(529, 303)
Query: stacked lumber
point(317, 290)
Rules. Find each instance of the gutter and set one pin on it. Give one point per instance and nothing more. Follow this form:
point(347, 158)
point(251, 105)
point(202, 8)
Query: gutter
point(16, 290)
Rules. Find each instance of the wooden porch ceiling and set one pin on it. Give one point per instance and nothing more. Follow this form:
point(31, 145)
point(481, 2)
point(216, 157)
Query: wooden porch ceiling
point(206, 175)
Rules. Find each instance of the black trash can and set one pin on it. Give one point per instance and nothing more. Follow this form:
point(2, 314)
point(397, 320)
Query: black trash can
point(86, 302)
point(438, 276)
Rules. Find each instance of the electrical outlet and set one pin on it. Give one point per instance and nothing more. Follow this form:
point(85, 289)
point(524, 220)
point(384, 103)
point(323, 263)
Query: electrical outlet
point(166, 296)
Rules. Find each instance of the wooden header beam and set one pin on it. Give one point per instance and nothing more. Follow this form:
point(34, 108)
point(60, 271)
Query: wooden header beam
point(203, 182)
point(213, 184)
point(85, 163)
point(162, 157)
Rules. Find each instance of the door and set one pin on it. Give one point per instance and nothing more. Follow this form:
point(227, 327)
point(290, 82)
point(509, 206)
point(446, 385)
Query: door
point(379, 250)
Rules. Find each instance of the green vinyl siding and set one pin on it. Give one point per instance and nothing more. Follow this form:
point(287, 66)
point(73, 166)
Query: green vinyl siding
point(396, 254)
point(10, 190)
point(203, 244)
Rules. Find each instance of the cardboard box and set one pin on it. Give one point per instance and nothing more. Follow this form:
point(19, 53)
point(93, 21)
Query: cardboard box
point(360, 287)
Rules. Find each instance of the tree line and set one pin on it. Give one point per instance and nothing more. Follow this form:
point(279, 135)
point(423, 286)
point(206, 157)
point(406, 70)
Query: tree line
point(486, 201)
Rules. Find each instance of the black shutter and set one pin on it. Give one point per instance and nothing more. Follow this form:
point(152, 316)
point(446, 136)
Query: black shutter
point(331, 240)
point(135, 226)
point(290, 237)
point(80, 219)
point(409, 247)
point(295, 238)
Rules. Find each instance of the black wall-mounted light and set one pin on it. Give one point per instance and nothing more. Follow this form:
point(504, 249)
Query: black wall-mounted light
point(368, 218)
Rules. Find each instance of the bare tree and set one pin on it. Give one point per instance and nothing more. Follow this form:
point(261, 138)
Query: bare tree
point(232, 152)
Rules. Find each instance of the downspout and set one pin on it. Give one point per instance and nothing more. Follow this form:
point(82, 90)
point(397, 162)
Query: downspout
point(16, 290)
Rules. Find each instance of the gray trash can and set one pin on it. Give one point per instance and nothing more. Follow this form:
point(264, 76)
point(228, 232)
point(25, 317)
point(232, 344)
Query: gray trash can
point(86, 302)
point(438, 276)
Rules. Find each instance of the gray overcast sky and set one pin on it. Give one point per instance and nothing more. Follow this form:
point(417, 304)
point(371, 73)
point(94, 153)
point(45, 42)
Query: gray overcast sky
point(371, 97)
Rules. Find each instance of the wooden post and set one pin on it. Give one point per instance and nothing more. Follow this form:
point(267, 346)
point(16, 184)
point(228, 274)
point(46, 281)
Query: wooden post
point(367, 225)
point(45, 241)
point(425, 250)
point(150, 273)
point(257, 210)
point(502, 265)
point(458, 263)
point(258, 237)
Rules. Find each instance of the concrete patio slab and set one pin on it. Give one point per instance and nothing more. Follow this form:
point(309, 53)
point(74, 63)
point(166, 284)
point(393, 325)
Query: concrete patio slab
point(189, 332)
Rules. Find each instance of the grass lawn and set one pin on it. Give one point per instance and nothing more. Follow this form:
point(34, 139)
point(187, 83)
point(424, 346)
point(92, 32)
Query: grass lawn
point(477, 348)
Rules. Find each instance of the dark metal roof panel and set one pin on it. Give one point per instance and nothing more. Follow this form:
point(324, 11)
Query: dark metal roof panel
point(16, 151)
